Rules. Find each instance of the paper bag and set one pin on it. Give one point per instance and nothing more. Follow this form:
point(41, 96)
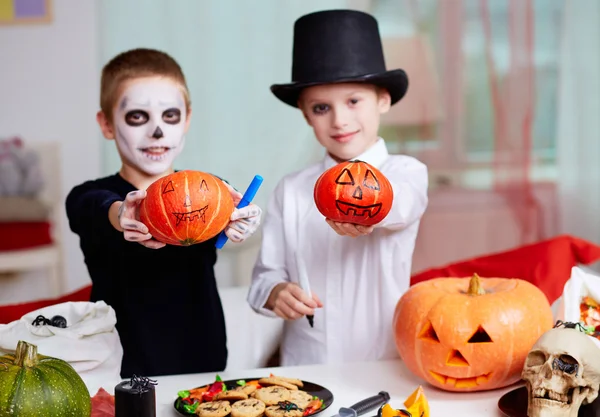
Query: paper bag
point(580, 301)
point(90, 343)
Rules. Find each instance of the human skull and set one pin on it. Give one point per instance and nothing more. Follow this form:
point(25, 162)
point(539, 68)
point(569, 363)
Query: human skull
point(562, 372)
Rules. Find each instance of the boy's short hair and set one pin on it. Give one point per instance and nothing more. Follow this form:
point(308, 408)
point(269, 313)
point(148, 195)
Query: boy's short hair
point(137, 63)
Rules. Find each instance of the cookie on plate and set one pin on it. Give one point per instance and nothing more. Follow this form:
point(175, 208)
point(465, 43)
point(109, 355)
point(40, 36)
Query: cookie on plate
point(277, 411)
point(300, 398)
point(266, 382)
point(231, 395)
point(272, 395)
point(294, 381)
point(247, 389)
point(248, 408)
point(214, 409)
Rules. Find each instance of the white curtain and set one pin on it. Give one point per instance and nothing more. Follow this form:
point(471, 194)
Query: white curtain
point(578, 143)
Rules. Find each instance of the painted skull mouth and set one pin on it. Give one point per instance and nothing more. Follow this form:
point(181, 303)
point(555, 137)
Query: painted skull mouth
point(542, 395)
point(356, 210)
point(190, 216)
point(461, 382)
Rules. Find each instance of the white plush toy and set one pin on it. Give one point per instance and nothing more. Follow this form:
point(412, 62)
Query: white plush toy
point(20, 172)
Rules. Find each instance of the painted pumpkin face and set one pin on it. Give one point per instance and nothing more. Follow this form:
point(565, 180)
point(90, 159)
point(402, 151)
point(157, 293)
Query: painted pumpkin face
point(353, 192)
point(186, 207)
point(462, 334)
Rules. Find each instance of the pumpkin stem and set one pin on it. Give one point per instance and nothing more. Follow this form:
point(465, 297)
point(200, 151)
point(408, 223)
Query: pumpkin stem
point(26, 355)
point(475, 287)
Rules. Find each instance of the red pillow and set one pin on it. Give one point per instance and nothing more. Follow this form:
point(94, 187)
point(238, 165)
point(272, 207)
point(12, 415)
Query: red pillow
point(9, 313)
point(24, 235)
point(546, 264)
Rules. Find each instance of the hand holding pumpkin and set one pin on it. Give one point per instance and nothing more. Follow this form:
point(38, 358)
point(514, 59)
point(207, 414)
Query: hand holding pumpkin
point(349, 229)
point(127, 217)
point(353, 197)
point(290, 302)
point(235, 194)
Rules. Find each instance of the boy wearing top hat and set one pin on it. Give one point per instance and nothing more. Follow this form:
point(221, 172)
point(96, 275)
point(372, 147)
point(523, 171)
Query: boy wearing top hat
point(356, 273)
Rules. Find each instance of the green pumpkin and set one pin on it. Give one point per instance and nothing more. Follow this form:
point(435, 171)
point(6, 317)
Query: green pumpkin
point(34, 385)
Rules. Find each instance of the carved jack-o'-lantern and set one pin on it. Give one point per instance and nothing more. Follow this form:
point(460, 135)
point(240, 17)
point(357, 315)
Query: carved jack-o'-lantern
point(354, 192)
point(462, 334)
point(186, 207)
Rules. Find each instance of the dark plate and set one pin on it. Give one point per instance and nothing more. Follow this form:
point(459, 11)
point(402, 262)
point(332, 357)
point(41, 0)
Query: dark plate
point(310, 387)
point(514, 404)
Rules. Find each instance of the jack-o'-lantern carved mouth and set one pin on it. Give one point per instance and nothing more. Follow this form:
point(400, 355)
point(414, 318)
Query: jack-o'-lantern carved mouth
point(357, 210)
point(456, 359)
point(461, 382)
point(190, 216)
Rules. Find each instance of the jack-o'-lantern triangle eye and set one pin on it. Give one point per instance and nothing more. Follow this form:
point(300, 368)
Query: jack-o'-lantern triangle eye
point(168, 188)
point(203, 186)
point(480, 336)
point(345, 178)
point(428, 333)
point(371, 181)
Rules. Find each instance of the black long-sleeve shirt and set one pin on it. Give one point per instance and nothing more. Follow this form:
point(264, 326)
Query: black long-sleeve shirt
point(169, 313)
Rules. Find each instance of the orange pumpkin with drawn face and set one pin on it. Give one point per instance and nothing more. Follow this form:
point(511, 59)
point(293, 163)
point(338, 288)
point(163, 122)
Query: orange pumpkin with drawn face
point(354, 192)
point(186, 207)
point(470, 334)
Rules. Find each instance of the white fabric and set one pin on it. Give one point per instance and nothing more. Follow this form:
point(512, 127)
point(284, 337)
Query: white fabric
point(582, 283)
point(90, 343)
point(358, 279)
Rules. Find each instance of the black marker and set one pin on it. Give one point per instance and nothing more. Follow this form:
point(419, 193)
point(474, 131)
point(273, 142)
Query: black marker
point(304, 284)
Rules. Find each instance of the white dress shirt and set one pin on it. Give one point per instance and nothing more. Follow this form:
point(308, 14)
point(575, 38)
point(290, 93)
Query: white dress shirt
point(359, 280)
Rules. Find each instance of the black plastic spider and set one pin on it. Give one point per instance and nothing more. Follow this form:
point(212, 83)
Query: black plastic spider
point(569, 325)
point(569, 368)
point(141, 384)
point(287, 406)
point(56, 321)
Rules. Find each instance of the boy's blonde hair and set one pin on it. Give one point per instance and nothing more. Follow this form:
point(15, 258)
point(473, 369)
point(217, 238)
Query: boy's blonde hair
point(137, 63)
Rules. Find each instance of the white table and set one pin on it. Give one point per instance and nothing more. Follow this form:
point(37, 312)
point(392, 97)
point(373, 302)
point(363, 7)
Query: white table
point(349, 384)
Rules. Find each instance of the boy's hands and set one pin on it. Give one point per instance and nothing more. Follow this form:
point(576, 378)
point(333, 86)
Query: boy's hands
point(124, 216)
point(290, 302)
point(244, 221)
point(349, 229)
point(127, 217)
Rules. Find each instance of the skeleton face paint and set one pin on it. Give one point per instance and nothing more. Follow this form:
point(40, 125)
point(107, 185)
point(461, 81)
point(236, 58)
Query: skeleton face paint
point(150, 120)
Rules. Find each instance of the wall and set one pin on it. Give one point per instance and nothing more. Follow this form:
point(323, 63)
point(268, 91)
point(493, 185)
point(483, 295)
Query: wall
point(49, 85)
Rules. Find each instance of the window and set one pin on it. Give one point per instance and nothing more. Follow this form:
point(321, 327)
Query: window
point(476, 145)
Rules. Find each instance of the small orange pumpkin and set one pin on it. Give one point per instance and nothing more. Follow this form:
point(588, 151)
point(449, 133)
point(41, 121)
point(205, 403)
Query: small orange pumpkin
point(354, 192)
point(470, 334)
point(186, 207)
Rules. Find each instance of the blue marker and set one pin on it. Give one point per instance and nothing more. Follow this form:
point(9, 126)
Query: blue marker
point(246, 199)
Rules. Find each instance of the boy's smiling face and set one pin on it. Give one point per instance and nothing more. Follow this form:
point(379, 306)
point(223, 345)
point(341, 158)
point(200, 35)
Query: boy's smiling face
point(149, 123)
point(345, 117)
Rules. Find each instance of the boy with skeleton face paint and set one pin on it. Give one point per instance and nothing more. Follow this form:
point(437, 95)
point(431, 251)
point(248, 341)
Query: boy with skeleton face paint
point(156, 294)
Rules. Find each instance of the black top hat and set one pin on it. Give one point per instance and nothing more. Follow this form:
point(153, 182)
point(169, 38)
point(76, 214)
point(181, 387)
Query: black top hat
point(336, 46)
